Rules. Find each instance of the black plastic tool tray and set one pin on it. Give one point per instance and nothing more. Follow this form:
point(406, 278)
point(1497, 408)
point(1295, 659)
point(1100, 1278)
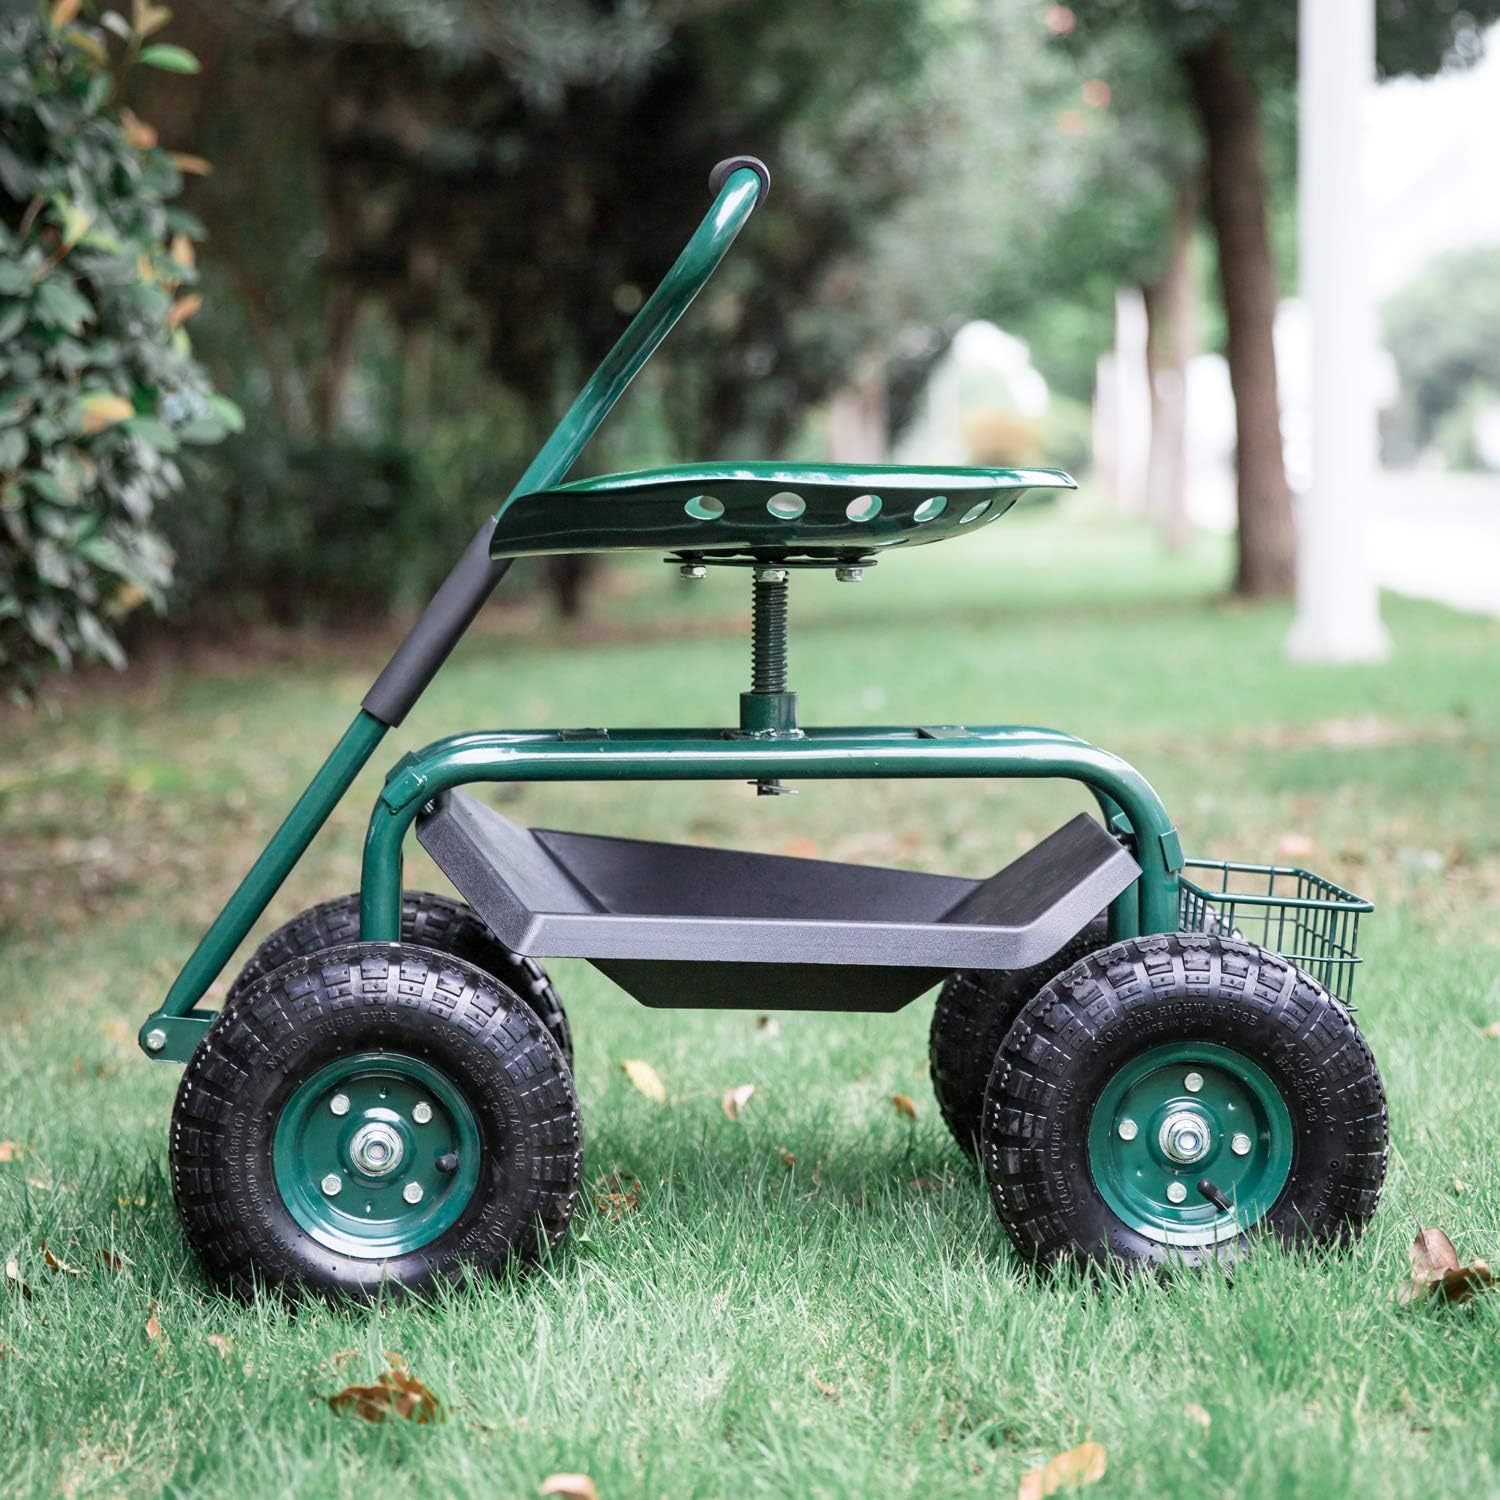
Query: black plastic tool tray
point(676, 924)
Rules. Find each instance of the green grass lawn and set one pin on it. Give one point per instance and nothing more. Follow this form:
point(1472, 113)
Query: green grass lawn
point(851, 1323)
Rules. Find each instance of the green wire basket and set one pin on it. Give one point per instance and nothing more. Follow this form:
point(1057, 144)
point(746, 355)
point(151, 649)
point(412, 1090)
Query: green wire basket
point(1301, 916)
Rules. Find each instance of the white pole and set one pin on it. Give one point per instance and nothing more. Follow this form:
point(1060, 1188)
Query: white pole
point(1338, 603)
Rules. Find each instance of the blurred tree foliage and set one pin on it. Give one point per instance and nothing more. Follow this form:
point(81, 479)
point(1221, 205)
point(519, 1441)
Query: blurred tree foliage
point(98, 386)
point(434, 218)
point(1228, 56)
point(429, 220)
point(1444, 333)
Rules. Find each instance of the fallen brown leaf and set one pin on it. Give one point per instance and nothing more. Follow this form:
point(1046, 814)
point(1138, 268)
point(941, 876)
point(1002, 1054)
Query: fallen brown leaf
point(822, 1387)
point(614, 1198)
point(736, 1099)
point(395, 1393)
point(788, 1158)
point(643, 1076)
point(10, 1150)
point(1492, 1031)
point(904, 1105)
point(1437, 1272)
point(14, 1277)
point(1084, 1464)
point(153, 1326)
point(922, 1183)
point(223, 1343)
point(569, 1487)
point(55, 1262)
point(1460, 1186)
point(112, 1260)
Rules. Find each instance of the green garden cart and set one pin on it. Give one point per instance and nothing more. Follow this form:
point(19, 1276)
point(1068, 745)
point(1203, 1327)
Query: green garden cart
point(1151, 1058)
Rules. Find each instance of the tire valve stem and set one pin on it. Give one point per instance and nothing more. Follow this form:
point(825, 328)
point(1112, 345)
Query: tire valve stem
point(1208, 1190)
point(447, 1162)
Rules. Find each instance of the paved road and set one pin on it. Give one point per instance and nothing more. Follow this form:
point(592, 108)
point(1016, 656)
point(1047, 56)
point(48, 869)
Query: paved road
point(1433, 536)
point(1437, 536)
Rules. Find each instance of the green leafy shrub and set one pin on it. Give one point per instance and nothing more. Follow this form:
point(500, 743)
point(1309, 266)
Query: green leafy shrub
point(98, 386)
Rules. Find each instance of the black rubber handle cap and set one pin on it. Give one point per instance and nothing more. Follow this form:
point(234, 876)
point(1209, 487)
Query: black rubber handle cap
point(720, 174)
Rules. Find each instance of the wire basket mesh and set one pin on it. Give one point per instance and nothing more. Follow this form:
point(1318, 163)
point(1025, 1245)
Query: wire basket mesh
point(1291, 911)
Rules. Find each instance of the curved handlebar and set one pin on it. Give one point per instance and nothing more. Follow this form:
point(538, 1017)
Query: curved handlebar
point(741, 184)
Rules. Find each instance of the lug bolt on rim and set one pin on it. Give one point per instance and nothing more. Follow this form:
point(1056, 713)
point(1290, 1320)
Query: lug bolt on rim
point(1176, 1193)
point(339, 1104)
point(1240, 1144)
point(412, 1192)
point(422, 1113)
point(332, 1185)
point(1193, 1082)
point(1127, 1129)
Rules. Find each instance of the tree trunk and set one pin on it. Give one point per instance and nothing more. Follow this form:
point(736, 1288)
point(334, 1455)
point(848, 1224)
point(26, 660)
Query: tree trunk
point(1171, 338)
point(1229, 113)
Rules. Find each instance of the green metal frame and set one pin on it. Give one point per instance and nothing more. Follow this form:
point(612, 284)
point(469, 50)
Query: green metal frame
point(172, 1032)
point(1126, 801)
point(817, 753)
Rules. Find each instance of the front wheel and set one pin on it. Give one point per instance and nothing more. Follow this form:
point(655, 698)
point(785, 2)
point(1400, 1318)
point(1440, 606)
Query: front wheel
point(1176, 1097)
point(373, 1114)
point(427, 921)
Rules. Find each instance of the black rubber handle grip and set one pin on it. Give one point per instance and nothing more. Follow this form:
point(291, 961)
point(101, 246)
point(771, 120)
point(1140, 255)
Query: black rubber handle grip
point(720, 174)
point(436, 631)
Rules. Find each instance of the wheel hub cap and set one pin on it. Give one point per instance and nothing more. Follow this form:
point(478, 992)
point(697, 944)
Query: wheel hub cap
point(376, 1149)
point(356, 1154)
point(1198, 1113)
point(1186, 1136)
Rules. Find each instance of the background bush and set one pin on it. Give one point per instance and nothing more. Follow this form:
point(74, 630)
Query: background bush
point(98, 387)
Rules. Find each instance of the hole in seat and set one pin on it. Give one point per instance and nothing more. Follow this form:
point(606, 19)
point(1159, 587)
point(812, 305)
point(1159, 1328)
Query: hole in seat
point(930, 509)
point(974, 512)
point(705, 507)
point(786, 506)
point(863, 508)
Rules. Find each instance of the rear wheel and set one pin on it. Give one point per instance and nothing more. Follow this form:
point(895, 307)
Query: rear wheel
point(427, 921)
point(1176, 1097)
point(975, 1008)
point(373, 1114)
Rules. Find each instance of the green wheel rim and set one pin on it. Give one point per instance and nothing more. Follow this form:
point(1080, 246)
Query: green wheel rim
point(1177, 1115)
point(376, 1155)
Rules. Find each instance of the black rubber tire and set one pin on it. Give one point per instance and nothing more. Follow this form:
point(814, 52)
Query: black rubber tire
point(302, 1015)
point(1071, 1038)
point(427, 921)
point(975, 1008)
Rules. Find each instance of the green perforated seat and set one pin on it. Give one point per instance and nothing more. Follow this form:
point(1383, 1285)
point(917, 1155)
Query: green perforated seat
point(828, 513)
